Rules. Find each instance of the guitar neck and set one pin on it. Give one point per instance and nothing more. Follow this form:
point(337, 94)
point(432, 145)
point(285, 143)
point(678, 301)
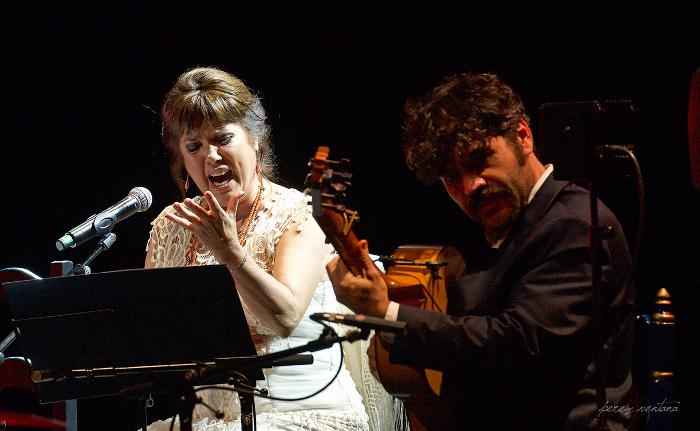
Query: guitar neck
point(347, 246)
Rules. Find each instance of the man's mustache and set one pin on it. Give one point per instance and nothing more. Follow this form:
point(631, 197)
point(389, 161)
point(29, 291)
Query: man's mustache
point(485, 194)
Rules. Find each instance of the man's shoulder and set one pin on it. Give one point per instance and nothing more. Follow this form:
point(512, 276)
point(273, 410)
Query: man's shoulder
point(575, 202)
point(571, 201)
point(558, 200)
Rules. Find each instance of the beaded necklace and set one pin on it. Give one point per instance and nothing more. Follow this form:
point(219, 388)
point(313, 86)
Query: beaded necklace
point(197, 247)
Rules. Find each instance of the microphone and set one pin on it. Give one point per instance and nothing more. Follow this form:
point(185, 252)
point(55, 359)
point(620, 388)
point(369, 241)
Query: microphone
point(362, 321)
point(138, 200)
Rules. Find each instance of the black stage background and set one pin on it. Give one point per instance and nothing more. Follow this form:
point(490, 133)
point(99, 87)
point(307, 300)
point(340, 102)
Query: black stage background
point(80, 87)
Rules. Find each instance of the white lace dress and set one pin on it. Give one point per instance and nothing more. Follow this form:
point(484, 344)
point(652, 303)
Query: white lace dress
point(339, 407)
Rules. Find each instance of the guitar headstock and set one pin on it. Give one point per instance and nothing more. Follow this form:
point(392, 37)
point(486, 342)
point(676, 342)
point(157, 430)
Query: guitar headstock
point(327, 182)
point(330, 180)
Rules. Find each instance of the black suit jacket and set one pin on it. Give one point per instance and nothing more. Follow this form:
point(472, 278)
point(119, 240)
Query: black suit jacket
point(518, 341)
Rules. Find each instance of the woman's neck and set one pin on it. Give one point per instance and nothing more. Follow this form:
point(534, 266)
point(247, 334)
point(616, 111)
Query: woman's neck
point(245, 204)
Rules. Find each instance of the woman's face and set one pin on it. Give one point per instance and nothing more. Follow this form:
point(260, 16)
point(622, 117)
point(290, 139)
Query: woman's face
point(221, 160)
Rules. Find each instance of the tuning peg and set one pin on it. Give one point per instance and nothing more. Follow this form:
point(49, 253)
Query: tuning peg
point(343, 178)
point(344, 164)
point(335, 207)
point(342, 174)
point(339, 187)
point(339, 197)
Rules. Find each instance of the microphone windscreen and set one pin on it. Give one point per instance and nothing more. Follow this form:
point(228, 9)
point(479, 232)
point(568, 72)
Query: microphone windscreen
point(143, 195)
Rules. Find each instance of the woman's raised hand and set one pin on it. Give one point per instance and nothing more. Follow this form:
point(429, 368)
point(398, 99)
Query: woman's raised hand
point(215, 228)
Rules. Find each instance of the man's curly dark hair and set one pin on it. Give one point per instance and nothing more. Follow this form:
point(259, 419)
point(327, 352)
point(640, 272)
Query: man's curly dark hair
point(458, 116)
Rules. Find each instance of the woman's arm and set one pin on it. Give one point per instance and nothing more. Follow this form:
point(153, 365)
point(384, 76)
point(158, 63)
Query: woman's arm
point(278, 300)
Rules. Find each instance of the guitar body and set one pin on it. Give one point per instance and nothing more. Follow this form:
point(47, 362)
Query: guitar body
point(434, 267)
point(417, 275)
point(402, 379)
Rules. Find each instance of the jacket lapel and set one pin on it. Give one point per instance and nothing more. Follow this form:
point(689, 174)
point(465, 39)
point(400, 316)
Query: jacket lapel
point(535, 210)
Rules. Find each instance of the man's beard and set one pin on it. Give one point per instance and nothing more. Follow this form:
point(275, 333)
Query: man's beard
point(490, 193)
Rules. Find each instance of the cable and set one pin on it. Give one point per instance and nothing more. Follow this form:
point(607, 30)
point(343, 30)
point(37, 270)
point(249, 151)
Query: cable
point(247, 389)
point(257, 392)
point(642, 203)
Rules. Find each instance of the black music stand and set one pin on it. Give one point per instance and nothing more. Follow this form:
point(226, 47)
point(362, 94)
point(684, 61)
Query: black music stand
point(132, 318)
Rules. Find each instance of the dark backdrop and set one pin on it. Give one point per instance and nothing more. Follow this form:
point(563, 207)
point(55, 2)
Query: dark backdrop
point(81, 88)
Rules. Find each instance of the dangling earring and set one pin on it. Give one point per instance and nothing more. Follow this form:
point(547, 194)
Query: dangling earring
point(187, 183)
point(257, 169)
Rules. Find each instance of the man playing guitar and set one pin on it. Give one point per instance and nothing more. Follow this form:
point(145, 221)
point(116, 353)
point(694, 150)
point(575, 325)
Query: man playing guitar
point(517, 343)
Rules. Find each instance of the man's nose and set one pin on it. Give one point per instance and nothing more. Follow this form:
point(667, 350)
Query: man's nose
point(472, 183)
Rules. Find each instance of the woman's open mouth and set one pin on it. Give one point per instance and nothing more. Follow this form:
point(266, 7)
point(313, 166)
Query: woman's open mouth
point(220, 181)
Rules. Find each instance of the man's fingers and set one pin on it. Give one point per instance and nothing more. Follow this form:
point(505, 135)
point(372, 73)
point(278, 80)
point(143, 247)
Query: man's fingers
point(370, 269)
point(332, 266)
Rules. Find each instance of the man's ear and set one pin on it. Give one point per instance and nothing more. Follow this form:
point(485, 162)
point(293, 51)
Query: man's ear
point(525, 141)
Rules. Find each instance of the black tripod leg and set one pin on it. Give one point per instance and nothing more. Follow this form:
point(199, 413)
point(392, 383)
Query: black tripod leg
point(247, 419)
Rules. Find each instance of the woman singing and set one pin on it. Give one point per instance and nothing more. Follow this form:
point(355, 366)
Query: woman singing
point(214, 128)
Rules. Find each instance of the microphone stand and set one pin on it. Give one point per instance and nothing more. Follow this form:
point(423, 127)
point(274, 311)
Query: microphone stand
point(64, 269)
point(598, 233)
point(106, 241)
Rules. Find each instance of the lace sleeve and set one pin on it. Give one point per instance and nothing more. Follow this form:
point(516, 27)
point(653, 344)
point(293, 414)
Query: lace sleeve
point(293, 218)
point(284, 211)
point(167, 242)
